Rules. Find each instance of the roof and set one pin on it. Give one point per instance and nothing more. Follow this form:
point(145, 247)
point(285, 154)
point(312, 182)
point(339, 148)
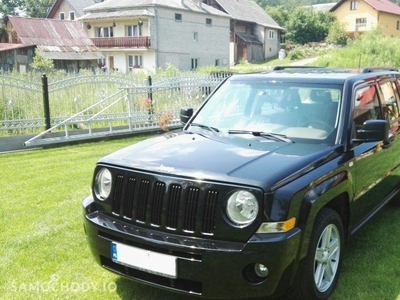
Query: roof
point(9, 46)
point(379, 5)
point(303, 74)
point(57, 36)
point(77, 6)
point(324, 7)
point(248, 38)
point(249, 11)
point(67, 53)
point(103, 9)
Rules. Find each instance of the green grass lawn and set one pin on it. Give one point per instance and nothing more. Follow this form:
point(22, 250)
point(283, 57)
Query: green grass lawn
point(44, 254)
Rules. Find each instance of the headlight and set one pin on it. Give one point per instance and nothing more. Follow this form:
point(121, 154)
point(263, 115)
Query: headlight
point(103, 184)
point(242, 208)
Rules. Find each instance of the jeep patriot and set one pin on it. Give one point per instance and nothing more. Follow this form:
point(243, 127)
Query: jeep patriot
point(258, 193)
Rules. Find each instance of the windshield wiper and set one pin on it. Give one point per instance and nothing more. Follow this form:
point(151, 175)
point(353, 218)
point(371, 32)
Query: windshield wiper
point(276, 136)
point(212, 129)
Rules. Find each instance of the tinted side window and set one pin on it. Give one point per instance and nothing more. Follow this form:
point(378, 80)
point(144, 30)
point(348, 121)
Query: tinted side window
point(389, 100)
point(366, 106)
point(390, 103)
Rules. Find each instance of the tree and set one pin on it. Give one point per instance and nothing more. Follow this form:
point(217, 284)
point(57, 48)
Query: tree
point(306, 26)
point(32, 8)
point(279, 14)
point(289, 3)
point(37, 8)
point(10, 7)
point(337, 33)
point(41, 63)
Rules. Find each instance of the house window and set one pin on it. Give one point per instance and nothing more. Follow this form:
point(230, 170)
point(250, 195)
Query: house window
point(361, 22)
point(135, 61)
point(22, 51)
point(195, 36)
point(72, 15)
point(398, 25)
point(178, 17)
point(105, 32)
point(208, 22)
point(217, 62)
point(195, 63)
point(134, 30)
point(353, 5)
point(61, 16)
point(271, 34)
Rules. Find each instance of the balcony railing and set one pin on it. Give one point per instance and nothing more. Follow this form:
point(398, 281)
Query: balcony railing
point(122, 42)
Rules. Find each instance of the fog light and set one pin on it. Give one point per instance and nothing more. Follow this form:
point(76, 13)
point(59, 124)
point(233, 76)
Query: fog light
point(261, 270)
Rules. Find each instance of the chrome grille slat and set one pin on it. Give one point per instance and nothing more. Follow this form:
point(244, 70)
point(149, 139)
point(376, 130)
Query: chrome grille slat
point(209, 218)
point(173, 206)
point(191, 209)
point(157, 203)
point(129, 197)
point(118, 194)
point(142, 200)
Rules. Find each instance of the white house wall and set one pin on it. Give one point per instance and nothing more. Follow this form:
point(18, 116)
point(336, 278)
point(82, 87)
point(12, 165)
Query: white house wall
point(176, 44)
point(121, 60)
point(271, 46)
point(172, 42)
point(118, 29)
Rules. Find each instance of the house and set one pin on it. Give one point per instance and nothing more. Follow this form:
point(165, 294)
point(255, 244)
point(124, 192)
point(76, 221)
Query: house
point(254, 35)
point(364, 15)
point(150, 34)
point(69, 9)
point(15, 57)
point(65, 42)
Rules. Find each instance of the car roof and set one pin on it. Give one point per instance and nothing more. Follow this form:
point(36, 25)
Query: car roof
point(316, 74)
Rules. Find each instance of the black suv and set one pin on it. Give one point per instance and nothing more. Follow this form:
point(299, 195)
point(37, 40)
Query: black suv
point(258, 193)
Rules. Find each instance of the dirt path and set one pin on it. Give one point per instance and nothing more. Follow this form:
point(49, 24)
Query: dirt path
point(304, 62)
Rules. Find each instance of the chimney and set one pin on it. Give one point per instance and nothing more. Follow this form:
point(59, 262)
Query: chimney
point(183, 2)
point(200, 4)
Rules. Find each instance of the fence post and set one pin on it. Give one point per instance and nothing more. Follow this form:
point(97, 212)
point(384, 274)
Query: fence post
point(46, 104)
point(150, 96)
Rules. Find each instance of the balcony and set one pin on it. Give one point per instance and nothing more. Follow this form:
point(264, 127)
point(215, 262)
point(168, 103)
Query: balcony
point(122, 42)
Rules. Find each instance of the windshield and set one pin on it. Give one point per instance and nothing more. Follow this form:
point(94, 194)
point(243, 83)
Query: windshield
point(307, 112)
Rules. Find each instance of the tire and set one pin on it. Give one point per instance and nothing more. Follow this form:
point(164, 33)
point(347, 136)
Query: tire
point(319, 271)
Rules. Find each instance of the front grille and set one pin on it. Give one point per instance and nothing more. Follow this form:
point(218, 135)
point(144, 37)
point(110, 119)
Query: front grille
point(168, 206)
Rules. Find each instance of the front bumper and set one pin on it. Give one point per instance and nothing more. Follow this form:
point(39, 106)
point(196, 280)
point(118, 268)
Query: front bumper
point(205, 267)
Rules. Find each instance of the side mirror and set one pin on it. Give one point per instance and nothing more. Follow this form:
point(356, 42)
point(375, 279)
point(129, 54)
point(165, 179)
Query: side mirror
point(373, 131)
point(185, 114)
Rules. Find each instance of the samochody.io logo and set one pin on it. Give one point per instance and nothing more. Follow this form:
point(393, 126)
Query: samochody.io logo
point(56, 285)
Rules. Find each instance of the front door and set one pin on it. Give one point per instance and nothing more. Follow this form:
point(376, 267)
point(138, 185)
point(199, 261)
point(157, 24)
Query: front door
point(376, 164)
point(111, 63)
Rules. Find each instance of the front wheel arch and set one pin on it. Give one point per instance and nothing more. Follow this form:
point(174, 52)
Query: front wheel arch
point(319, 271)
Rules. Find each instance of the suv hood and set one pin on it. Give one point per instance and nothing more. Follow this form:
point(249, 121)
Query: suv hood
point(242, 159)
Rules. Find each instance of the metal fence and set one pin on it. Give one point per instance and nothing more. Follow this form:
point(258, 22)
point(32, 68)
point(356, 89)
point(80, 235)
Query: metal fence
point(91, 103)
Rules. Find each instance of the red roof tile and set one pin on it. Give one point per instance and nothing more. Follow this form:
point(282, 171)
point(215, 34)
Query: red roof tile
point(379, 5)
point(384, 6)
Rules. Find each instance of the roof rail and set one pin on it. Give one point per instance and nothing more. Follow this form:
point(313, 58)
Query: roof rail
point(280, 68)
point(377, 69)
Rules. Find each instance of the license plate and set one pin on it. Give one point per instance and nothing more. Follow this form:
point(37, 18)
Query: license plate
point(144, 260)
